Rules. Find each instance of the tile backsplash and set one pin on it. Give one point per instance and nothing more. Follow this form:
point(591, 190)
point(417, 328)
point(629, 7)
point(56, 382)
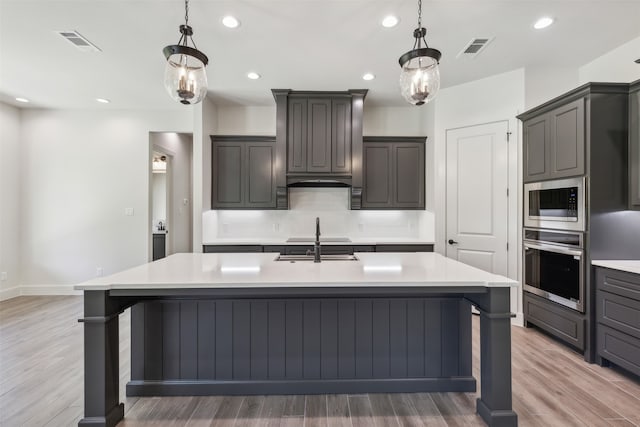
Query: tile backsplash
point(331, 205)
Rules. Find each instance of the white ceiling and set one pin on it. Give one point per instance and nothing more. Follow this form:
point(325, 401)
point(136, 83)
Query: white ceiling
point(297, 44)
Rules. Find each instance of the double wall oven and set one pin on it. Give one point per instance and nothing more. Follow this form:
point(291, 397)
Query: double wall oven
point(555, 225)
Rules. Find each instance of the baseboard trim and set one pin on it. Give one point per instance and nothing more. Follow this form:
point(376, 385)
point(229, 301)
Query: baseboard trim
point(518, 320)
point(48, 290)
point(9, 293)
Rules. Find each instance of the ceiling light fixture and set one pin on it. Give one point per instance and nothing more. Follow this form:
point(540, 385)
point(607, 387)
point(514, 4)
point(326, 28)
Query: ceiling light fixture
point(185, 77)
point(103, 100)
point(368, 76)
point(420, 75)
point(230, 22)
point(543, 22)
point(253, 76)
point(25, 100)
point(390, 21)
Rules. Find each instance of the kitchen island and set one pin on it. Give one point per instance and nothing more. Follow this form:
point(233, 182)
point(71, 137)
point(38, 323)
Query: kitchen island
point(247, 324)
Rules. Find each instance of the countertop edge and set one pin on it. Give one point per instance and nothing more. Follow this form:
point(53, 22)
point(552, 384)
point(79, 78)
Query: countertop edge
point(629, 265)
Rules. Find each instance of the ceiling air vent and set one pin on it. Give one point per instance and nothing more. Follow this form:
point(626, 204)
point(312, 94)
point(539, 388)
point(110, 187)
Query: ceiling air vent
point(474, 47)
point(76, 39)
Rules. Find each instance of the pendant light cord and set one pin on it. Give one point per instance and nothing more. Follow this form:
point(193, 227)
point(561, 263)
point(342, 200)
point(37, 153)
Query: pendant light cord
point(186, 12)
point(419, 13)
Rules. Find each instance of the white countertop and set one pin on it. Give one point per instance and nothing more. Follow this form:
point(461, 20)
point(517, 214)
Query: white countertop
point(354, 241)
point(628, 265)
point(259, 270)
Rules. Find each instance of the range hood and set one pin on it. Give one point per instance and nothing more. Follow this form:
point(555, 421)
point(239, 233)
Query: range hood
point(324, 181)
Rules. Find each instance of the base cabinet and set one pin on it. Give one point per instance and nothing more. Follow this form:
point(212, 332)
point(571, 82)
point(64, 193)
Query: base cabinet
point(563, 323)
point(326, 249)
point(159, 246)
point(618, 318)
point(634, 146)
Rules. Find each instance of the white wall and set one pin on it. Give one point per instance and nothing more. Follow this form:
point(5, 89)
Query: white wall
point(394, 121)
point(10, 160)
point(615, 66)
point(249, 120)
point(178, 148)
point(495, 98)
point(81, 170)
point(205, 123)
point(542, 84)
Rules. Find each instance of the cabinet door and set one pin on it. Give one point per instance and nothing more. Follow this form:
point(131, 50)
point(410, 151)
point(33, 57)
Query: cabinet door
point(408, 171)
point(260, 189)
point(341, 136)
point(634, 150)
point(297, 135)
point(319, 135)
point(227, 175)
point(536, 149)
point(567, 140)
point(377, 175)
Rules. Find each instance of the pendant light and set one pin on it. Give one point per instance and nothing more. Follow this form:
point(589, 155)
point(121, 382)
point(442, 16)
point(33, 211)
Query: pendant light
point(185, 77)
point(420, 75)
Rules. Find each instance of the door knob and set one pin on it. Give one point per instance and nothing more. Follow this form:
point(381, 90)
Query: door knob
point(452, 242)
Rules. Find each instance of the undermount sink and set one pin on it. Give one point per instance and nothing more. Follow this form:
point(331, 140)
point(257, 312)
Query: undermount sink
point(328, 257)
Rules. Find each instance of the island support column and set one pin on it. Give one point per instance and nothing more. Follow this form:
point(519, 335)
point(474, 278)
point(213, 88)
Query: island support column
point(495, 402)
point(101, 363)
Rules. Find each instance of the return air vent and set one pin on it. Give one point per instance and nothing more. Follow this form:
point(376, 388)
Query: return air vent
point(474, 47)
point(76, 39)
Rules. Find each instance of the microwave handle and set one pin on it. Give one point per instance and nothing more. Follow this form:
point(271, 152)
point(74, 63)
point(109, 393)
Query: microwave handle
point(550, 248)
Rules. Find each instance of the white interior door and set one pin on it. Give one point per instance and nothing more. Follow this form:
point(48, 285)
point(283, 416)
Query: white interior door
point(476, 194)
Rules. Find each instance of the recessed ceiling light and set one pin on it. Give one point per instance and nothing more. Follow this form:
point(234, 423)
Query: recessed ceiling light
point(368, 76)
point(230, 22)
point(25, 100)
point(543, 22)
point(390, 21)
point(253, 76)
point(102, 100)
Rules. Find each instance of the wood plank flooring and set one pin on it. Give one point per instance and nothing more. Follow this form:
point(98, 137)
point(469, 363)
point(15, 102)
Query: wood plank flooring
point(41, 384)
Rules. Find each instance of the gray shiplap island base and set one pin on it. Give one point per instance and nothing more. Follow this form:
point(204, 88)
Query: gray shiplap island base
point(205, 324)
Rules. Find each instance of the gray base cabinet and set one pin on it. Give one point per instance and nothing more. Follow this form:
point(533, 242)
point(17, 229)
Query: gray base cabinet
point(634, 146)
point(563, 323)
point(393, 173)
point(243, 172)
point(618, 318)
point(159, 246)
point(326, 249)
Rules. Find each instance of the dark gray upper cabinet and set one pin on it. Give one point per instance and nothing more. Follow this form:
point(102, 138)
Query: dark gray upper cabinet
point(341, 135)
point(559, 134)
point(393, 173)
point(554, 143)
point(320, 131)
point(634, 146)
point(567, 140)
point(297, 135)
point(243, 172)
point(536, 149)
point(319, 135)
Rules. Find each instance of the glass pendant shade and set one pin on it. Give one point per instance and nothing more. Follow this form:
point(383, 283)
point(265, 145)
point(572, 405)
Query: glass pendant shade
point(185, 76)
point(420, 79)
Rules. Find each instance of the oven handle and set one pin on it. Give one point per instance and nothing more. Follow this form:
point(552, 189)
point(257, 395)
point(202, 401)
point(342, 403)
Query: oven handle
point(550, 248)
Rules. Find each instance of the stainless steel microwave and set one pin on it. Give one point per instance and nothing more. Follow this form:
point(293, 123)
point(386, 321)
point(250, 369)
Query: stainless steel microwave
point(559, 204)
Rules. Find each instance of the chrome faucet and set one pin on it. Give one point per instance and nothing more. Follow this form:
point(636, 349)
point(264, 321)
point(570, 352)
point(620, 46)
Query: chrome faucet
point(316, 245)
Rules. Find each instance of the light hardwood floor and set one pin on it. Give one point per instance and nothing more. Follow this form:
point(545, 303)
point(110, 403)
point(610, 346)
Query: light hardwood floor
point(41, 384)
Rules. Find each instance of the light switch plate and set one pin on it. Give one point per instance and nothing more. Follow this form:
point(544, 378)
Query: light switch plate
point(128, 211)
point(3, 276)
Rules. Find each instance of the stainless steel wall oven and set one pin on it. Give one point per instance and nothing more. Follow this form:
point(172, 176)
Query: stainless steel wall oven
point(554, 266)
point(558, 204)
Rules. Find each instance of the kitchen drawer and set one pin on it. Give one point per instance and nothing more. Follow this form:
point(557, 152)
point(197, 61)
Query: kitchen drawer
point(364, 248)
point(618, 312)
point(619, 348)
point(618, 282)
point(220, 249)
point(566, 324)
point(274, 248)
point(404, 248)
